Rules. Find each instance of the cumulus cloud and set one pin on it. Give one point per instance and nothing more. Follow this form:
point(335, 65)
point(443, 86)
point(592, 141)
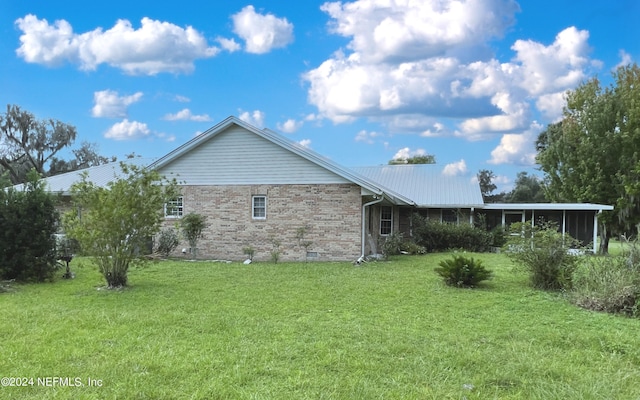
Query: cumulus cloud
point(229, 45)
point(108, 104)
point(255, 118)
point(625, 59)
point(187, 115)
point(518, 148)
point(290, 125)
point(406, 153)
point(368, 137)
point(153, 48)
point(128, 130)
point(427, 68)
point(456, 168)
point(305, 143)
point(261, 32)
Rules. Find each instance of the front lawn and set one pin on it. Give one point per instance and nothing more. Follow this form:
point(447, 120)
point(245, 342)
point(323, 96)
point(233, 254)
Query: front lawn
point(388, 330)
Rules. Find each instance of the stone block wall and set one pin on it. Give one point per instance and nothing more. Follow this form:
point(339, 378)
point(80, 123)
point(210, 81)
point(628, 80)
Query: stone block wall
point(329, 213)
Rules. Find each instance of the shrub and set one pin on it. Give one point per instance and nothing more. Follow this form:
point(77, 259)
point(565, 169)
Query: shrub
point(607, 284)
point(392, 244)
point(439, 236)
point(463, 272)
point(167, 241)
point(193, 225)
point(543, 252)
point(27, 243)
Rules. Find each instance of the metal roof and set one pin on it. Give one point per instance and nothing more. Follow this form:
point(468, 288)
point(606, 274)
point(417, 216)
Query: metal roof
point(548, 206)
point(425, 184)
point(100, 175)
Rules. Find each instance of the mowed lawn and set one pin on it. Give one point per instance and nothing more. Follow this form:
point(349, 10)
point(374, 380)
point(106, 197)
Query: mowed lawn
point(386, 330)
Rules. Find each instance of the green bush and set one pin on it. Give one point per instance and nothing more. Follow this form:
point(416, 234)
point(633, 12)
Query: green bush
point(544, 253)
point(167, 241)
point(438, 236)
point(463, 272)
point(607, 284)
point(28, 221)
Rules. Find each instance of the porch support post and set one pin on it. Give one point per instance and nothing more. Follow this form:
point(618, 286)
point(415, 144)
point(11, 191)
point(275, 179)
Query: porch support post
point(595, 231)
point(564, 223)
point(533, 218)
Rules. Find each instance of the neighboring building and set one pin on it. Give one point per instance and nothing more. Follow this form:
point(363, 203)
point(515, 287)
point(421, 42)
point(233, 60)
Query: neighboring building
point(258, 189)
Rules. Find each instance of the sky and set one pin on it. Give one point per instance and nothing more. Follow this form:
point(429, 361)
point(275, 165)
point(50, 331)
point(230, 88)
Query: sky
point(472, 82)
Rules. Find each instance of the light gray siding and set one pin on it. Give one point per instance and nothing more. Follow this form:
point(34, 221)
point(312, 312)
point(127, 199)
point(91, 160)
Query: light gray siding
point(239, 157)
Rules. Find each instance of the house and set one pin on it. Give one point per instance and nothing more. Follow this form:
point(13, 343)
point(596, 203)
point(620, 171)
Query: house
point(260, 190)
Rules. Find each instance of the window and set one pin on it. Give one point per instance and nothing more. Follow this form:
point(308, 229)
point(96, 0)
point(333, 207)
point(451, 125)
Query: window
point(174, 208)
point(386, 220)
point(259, 207)
point(450, 216)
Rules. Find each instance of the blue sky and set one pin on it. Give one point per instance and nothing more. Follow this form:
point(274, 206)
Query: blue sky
point(472, 82)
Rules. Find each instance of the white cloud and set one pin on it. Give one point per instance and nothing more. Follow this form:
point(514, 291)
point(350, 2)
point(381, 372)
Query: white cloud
point(255, 118)
point(406, 153)
point(153, 48)
point(107, 104)
point(625, 59)
point(427, 67)
point(518, 148)
point(290, 125)
point(182, 99)
point(186, 115)
point(305, 143)
point(127, 130)
point(368, 137)
point(261, 33)
point(456, 168)
point(556, 67)
point(229, 45)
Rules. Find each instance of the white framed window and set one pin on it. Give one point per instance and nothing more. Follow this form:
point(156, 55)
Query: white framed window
point(386, 220)
point(259, 207)
point(174, 208)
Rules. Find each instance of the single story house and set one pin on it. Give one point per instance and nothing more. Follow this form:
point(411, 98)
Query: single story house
point(261, 190)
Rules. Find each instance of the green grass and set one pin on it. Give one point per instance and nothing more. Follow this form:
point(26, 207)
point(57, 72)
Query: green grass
point(389, 330)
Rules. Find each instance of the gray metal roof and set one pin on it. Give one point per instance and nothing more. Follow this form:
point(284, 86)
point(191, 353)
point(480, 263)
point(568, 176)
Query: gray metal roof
point(100, 175)
point(425, 184)
point(547, 206)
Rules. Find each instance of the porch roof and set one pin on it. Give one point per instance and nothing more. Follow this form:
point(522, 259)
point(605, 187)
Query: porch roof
point(547, 206)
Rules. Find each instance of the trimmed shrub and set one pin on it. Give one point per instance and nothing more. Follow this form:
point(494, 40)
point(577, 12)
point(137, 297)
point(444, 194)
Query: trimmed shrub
point(463, 272)
point(544, 253)
point(438, 236)
point(608, 284)
point(27, 243)
point(167, 241)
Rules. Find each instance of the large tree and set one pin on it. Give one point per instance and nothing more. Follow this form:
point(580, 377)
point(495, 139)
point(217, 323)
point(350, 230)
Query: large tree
point(116, 222)
point(487, 187)
point(29, 143)
point(593, 154)
point(527, 189)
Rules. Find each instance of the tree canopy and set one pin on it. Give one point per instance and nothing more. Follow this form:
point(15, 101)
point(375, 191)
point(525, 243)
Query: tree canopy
point(593, 154)
point(29, 143)
point(421, 159)
point(115, 223)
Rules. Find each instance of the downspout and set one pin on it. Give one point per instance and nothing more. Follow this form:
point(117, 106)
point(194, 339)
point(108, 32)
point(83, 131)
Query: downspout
point(364, 206)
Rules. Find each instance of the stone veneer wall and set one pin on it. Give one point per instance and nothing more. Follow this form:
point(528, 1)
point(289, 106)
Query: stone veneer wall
point(331, 214)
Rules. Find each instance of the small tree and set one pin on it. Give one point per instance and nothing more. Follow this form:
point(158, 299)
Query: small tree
point(28, 221)
point(113, 224)
point(193, 225)
point(543, 252)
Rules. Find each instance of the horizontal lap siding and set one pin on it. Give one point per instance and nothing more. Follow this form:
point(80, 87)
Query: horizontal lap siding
point(237, 157)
